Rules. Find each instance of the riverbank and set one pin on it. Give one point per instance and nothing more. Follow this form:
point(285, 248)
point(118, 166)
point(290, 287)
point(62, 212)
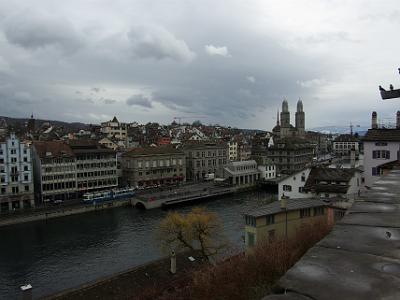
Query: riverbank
point(44, 215)
point(63, 211)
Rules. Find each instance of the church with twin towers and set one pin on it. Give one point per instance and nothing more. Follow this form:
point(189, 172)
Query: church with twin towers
point(283, 127)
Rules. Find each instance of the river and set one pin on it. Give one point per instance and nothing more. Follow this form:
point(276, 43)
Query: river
point(67, 252)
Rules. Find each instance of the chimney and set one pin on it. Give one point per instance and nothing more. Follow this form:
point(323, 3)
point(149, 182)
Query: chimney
point(374, 120)
point(353, 158)
point(26, 291)
point(283, 202)
point(173, 263)
point(398, 119)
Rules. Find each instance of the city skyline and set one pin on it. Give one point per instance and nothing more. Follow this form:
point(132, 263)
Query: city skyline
point(232, 64)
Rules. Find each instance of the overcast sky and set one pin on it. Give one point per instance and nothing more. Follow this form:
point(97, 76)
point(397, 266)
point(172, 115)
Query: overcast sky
point(228, 62)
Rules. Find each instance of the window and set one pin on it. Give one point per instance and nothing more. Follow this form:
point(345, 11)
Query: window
point(287, 188)
point(318, 211)
point(250, 239)
point(375, 171)
point(305, 212)
point(270, 219)
point(303, 178)
point(26, 188)
point(301, 189)
point(381, 154)
point(251, 221)
point(3, 191)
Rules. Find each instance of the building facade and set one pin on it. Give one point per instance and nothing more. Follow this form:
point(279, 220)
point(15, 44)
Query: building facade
point(153, 166)
point(54, 172)
point(242, 173)
point(343, 145)
point(115, 129)
point(96, 166)
point(290, 154)
point(233, 151)
point(16, 175)
point(205, 158)
point(278, 220)
point(283, 127)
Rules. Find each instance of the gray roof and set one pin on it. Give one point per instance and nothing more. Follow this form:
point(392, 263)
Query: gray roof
point(386, 135)
point(292, 204)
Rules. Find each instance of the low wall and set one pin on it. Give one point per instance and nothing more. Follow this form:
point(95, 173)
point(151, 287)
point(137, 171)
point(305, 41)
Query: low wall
point(62, 212)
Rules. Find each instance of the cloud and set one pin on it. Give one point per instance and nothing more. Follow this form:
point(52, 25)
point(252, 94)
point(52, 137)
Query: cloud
point(109, 101)
point(157, 43)
point(214, 50)
point(139, 100)
point(311, 83)
point(37, 31)
point(251, 79)
point(96, 89)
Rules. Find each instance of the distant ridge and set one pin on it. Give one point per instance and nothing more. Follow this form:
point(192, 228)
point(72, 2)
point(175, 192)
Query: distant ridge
point(340, 129)
point(18, 122)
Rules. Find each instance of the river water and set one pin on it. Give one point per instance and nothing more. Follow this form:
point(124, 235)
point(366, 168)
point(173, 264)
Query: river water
point(67, 252)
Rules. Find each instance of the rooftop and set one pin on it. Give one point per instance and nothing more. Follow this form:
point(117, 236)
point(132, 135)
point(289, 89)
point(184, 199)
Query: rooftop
point(386, 135)
point(52, 149)
point(360, 258)
point(291, 204)
point(152, 151)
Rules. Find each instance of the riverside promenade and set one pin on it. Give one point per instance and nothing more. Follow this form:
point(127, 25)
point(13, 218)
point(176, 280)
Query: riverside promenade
point(144, 199)
point(359, 259)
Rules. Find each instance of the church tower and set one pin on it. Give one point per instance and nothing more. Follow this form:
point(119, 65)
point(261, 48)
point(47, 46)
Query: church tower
point(300, 118)
point(285, 119)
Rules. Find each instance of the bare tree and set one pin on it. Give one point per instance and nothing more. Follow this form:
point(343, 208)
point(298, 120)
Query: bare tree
point(198, 230)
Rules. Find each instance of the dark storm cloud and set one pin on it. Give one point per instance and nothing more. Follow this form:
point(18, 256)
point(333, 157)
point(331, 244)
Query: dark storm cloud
point(233, 66)
point(139, 100)
point(39, 31)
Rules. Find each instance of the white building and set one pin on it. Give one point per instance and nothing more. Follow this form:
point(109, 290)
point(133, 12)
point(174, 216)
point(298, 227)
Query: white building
point(233, 151)
point(292, 186)
point(267, 171)
point(344, 143)
point(242, 173)
point(115, 129)
point(16, 175)
point(380, 147)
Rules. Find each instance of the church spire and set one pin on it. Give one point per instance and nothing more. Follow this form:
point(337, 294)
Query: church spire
point(277, 117)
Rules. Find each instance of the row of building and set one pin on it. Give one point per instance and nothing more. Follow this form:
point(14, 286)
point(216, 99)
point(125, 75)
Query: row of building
point(55, 171)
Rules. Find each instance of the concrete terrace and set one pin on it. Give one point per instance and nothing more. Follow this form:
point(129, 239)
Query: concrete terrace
point(359, 259)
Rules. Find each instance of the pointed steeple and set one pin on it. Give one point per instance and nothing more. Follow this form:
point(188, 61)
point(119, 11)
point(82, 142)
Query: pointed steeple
point(277, 117)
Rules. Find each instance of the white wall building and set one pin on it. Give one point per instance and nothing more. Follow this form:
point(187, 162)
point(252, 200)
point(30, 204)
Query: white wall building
point(242, 173)
point(233, 150)
point(16, 175)
point(115, 129)
point(380, 147)
point(292, 186)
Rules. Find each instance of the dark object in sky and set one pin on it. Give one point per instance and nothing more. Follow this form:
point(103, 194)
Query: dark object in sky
point(390, 94)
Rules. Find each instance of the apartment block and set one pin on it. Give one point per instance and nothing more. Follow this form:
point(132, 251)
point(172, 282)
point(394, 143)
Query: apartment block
point(205, 158)
point(153, 165)
point(54, 171)
point(16, 178)
point(96, 166)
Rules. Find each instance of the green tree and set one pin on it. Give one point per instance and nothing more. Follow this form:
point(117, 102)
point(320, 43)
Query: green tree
point(197, 230)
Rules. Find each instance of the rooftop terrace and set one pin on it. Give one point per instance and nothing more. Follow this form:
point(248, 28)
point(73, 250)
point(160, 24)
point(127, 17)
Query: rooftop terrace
point(359, 259)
